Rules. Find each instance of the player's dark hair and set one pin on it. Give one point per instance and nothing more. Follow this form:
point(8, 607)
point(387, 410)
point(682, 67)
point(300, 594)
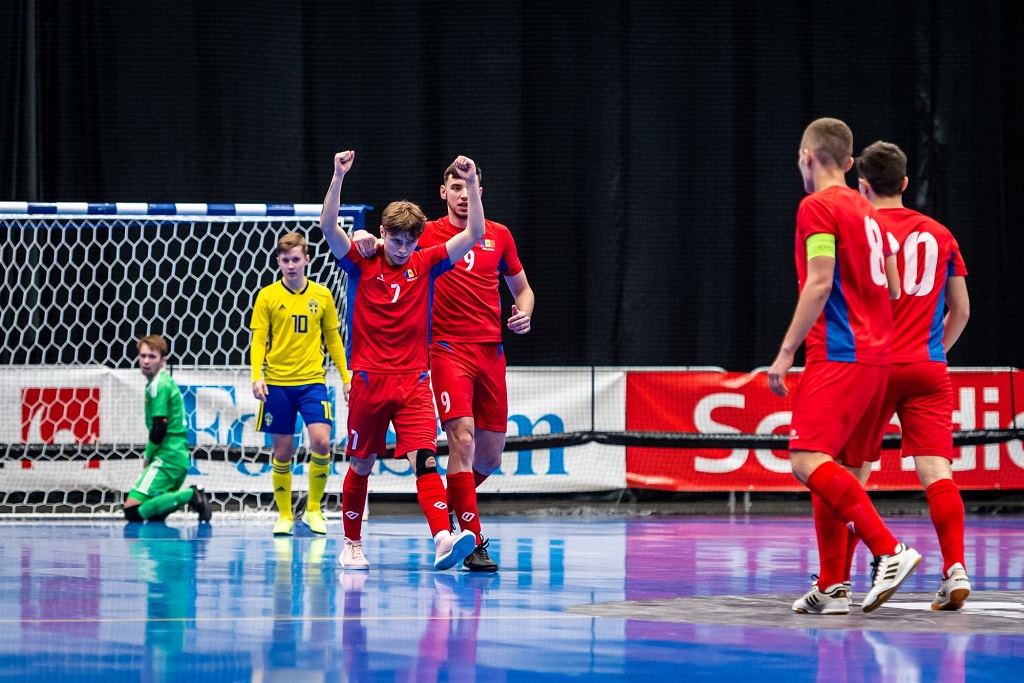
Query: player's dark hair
point(830, 140)
point(884, 166)
point(450, 172)
point(155, 342)
point(403, 217)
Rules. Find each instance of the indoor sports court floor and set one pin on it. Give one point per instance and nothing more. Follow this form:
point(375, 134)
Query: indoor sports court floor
point(650, 599)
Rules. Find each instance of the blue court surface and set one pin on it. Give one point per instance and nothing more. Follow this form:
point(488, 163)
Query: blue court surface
point(597, 599)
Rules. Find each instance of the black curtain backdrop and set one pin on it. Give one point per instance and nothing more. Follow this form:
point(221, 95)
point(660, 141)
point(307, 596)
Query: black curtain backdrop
point(643, 153)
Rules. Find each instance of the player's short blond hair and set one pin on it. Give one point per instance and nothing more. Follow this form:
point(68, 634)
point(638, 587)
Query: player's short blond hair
point(830, 140)
point(155, 342)
point(290, 240)
point(403, 217)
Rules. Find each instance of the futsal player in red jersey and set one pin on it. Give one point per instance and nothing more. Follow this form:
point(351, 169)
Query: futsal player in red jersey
point(467, 359)
point(846, 276)
point(389, 307)
point(932, 275)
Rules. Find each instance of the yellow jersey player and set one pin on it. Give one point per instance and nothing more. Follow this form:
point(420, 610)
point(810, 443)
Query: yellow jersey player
point(292, 320)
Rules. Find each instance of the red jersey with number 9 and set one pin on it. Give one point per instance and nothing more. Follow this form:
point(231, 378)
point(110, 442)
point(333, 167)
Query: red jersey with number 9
point(856, 325)
point(467, 304)
point(926, 254)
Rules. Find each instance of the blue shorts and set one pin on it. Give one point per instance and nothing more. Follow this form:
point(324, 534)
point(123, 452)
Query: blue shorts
point(277, 415)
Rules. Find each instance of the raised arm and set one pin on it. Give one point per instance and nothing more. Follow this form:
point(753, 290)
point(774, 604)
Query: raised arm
point(460, 245)
point(336, 238)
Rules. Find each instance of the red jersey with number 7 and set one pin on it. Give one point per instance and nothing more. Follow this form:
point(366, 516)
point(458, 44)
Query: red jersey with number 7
point(388, 309)
point(856, 324)
point(467, 303)
point(926, 254)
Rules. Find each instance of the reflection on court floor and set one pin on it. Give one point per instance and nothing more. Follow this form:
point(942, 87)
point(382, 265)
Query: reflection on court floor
point(592, 599)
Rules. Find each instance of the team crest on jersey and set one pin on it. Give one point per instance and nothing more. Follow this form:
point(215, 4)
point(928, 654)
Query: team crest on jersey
point(486, 244)
point(410, 274)
point(314, 306)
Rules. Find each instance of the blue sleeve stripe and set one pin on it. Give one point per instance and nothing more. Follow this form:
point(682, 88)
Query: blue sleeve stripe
point(171, 209)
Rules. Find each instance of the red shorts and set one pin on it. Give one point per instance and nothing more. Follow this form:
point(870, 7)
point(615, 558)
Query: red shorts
point(837, 410)
point(922, 395)
point(403, 400)
point(469, 381)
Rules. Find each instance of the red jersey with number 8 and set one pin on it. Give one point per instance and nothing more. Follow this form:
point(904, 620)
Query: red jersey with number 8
point(467, 304)
point(926, 254)
point(856, 324)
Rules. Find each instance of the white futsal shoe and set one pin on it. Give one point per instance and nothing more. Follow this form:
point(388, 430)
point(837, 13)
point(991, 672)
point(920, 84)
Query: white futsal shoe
point(453, 548)
point(352, 556)
point(888, 572)
point(834, 600)
point(954, 589)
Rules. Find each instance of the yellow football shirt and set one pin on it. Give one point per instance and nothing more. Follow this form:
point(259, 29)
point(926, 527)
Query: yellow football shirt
point(295, 322)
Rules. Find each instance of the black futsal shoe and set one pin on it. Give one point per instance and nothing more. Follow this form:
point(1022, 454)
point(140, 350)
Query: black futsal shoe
point(479, 560)
point(201, 503)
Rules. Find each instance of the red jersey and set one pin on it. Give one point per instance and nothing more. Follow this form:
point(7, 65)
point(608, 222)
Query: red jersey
point(927, 254)
point(856, 324)
point(388, 311)
point(467, 304)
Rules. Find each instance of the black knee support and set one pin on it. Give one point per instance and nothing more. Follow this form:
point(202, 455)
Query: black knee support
point(422, 456)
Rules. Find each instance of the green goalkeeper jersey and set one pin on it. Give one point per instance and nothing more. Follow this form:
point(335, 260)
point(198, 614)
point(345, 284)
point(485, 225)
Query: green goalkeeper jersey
point(163, 399)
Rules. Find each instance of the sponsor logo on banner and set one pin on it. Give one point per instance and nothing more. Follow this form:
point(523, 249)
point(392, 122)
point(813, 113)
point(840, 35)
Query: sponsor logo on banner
point(734, 403)
point(60, 415)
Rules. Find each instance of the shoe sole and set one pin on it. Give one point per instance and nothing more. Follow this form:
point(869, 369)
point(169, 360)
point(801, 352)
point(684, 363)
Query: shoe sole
point(460, 551)
point(315, 531)
point(828, 612)
point(957, 598)
point(480, 571)
point(884, 596)
point(359, 567)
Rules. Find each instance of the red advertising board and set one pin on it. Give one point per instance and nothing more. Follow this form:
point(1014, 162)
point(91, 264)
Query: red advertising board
point(723, 402)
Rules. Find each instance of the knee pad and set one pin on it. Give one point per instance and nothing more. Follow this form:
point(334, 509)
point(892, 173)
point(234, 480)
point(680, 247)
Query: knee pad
point(132, 514)
point(422, 456)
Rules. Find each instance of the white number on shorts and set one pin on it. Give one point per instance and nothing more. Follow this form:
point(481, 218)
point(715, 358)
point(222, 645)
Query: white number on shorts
point(877, 256)
point(398, 290)
point(446, 401)
point(353, 439)
point(470, 259)
point(911, 269)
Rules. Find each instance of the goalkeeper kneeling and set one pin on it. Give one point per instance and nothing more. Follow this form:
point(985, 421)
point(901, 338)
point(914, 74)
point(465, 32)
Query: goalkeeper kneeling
point(157, 492)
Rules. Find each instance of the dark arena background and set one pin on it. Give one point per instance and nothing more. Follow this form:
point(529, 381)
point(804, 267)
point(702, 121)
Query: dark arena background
point(644, 155)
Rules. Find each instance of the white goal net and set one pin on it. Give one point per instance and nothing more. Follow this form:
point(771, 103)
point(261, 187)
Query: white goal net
point(83, 283)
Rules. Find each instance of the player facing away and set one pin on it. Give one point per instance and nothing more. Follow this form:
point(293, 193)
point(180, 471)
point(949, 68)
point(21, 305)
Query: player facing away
point(292, 320)
point(157, 492)
point(467, 359)
point(932, 275)
point(846, 275)
point(389, 319)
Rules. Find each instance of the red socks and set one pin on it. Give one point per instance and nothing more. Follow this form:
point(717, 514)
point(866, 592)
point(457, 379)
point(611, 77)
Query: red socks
point(947, 512)
point(841, 491)
point(353, 502)
point(832, 544)
point(431, 495)
point(462, 499)
point(479, 478)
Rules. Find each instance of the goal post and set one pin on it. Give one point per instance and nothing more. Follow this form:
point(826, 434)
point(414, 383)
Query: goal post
point(85, 280)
